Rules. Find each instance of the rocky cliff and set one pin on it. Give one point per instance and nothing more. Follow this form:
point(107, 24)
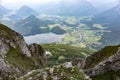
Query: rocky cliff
point(104, 64)
point(16, 57)
point(19, 61)
point(64, 71)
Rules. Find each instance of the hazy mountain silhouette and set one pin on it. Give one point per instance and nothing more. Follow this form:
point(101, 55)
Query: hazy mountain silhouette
point(3, 11)
point(26, 11)
point(73, 8)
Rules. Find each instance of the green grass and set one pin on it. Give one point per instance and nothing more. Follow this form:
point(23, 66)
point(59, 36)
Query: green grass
point(71, 21)
point(6, 32)
point(82, 34)
point(64, 53)
point(110, 75)
point(63, 73)
point(99, 26)
point(18, 59)
point(100, 56)
point(57, 30)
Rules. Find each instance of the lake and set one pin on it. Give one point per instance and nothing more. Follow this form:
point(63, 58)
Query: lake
point(43, 38)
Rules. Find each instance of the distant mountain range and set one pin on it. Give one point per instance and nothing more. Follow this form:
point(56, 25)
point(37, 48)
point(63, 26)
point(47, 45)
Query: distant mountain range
point(9, 17)
point(26, 11)
point(3, 11)
point(22, 21)
point(77, 8)
point(33, 25)
point(20, 61)
point(111, 16)
point(111, 20)
point(74, 8)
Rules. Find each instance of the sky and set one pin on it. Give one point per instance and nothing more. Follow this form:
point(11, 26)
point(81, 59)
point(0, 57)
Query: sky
point(18, 3)
point(103, 2)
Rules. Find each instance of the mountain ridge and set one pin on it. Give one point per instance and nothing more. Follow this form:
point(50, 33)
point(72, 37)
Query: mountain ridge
point(32, 25)
point(3, 10)
point(23, 62)
point(107, 68)
point(16, 57)
point(26, 11)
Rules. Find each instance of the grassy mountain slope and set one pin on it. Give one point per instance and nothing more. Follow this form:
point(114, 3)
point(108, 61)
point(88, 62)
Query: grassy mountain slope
point(104, 64)
point(100, 56)
point(16, 57)
point(33, 25)
point(61, 53)
point(64, 71)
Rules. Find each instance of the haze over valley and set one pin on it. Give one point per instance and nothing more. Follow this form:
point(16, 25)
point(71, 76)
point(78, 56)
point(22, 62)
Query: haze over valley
point(82, 22)
point(59, 40)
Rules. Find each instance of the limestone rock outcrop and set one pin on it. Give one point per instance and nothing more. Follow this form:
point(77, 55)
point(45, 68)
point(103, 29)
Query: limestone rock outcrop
point(16, 57)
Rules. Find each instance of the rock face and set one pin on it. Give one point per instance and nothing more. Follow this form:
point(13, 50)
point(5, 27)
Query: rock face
point(37, 50)
point(64, 71)
point(108, 69)
point(9, 38)
point(16, 56)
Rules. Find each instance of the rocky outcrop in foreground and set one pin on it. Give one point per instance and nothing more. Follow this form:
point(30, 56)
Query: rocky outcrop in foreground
point(16, 57)
point(109, 66)
point(64, 71)
point(19, 61)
